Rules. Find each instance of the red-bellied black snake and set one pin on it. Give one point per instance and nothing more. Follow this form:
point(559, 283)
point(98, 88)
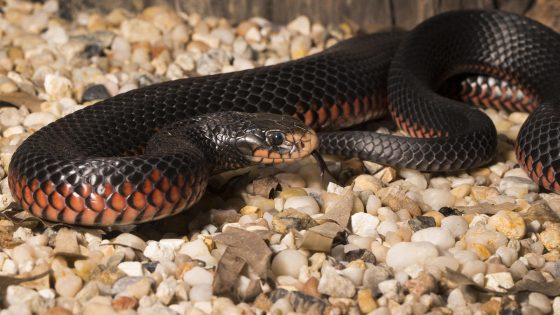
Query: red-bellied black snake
point(85, 168)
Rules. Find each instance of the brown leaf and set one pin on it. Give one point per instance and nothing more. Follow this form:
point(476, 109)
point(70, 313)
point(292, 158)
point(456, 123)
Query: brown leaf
point(265, 186)
point(486, 208)
point(19, 99)
point(243, 247)
point(6, 281)
point(338, 207)
point(551, 288)
point(319, 238)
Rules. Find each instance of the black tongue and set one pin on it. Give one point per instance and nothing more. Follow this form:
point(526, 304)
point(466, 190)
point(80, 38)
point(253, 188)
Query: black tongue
point(322, 164)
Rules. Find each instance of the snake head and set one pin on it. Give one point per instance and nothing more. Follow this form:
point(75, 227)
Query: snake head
point(273, 139)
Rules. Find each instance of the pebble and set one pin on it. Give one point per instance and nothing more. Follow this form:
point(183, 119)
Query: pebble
point(57, 87)
point(364, 224)
point(201, 292)
point(288, 263)
point(305, 204)
point(130, 240)
point(136, 30)
point(198, 276)
point(131, 268)
point(335, 285)
point(421, 222)
point(440, 237)
point(437, 198)
point(499, 281)
point(510, 223)
point(300, 25)
point(404, 254)
point(456, 225)
point(95, 92)
point(68, 285)
point(367, 183)
point(507, 255)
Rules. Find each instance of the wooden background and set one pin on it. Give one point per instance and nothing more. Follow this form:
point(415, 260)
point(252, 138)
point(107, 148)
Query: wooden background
point(370, 15)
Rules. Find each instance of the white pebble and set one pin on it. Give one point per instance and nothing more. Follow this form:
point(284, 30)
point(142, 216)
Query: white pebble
point(57, 86)
point(68, 285)
point(455, 224)
point(373, 204)
point(386, 227)
point(10, 117)
point(131, 268)
point(507, 255)
point(288, 262)
point(438, 236)
point(387, 214)
point(437, 198)
point(404, 254)
point(364, 224)
point(201, 292)
point(197, 276)
point(55, 35)
point(499, 281)
point(301, 25)
point(194, 249)
point(305, 204)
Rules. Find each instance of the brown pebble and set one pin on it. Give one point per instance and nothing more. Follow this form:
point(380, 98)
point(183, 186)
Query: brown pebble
point(310, 287)
point(122, 303)
point(57, 310)
point(423, 284)
point(262, 302)
point(492, 307)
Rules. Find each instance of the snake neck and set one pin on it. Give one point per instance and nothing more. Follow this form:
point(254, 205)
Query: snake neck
point(207, 135)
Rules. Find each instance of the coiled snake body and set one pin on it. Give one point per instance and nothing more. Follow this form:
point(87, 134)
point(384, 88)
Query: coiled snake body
point(80, 170)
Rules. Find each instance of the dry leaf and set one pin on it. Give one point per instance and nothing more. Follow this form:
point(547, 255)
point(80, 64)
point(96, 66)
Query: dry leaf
point(243, 247)
point(338, 207)
point(320, 238)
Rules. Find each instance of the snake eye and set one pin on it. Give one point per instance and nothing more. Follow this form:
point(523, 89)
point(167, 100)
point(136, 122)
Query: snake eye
point(275, 138)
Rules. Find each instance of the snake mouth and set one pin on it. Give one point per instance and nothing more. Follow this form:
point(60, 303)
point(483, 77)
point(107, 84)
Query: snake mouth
point(295, 147)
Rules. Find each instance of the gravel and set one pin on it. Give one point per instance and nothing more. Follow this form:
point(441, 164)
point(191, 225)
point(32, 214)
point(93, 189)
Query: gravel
point(384, 240)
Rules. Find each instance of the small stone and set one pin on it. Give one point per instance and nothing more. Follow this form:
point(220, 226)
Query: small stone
point(387, 227)
point(489, 239)
point(373, 276)
point(201, 292)
point(68, 285)
point(130, 240)
point(300, 25)
point(421, 222)
point(335, 285)
point(367, 183)
point(139, 288)
point(288, 262)
point(396, 198)
point(198, 276)
point(456, 225)
point(122, 303)
point(366, 302)
point(510, 223)
point(540, 301)
point(507, 255)
point(373, 204)
point(440, 237)
point(404, 254)
point(499, 281)
point(10, 117)
point(305, 204)
point(390, 288)
point(436, 215)
point(136, 30)
point(517, 186)
point(166, 290)
point(424, 283)
point(364, 224)
point(57, 87)
point(437, 198)
point(550, 237)
point(95, 92)
point(131, 268)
